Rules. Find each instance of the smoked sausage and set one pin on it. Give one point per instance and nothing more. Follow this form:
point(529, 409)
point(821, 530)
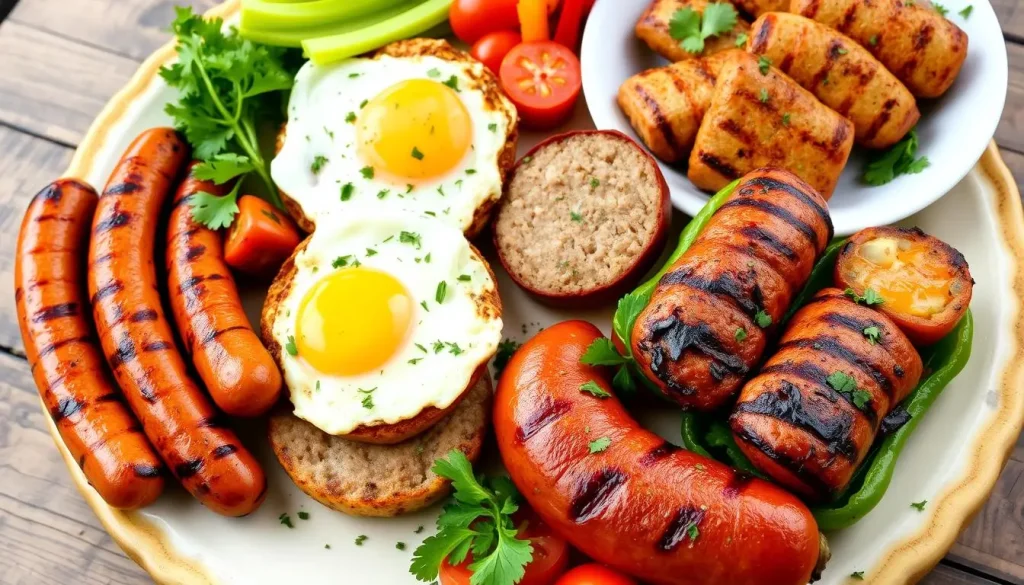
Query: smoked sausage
point(808, 419)
point(626, 497)
point(138, 341)
point(239, 373)
point(713, 312)
point(86, 406)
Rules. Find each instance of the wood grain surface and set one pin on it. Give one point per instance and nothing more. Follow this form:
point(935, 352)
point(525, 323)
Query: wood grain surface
point(60, 61)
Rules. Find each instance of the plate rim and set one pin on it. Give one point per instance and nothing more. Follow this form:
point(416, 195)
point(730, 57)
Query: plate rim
point(905, 562)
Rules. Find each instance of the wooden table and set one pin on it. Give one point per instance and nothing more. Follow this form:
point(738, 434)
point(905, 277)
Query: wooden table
point(60, 60)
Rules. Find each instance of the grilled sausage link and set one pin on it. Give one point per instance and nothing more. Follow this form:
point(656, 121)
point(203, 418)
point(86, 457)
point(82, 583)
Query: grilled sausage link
point(239, 373)
point(666, 105)
point(808, 419)
point(66, 363)
point(924, 49)
point(841, 73)
point(712, 313)
point(188, 433)
point(653, 28)
point(641, 505)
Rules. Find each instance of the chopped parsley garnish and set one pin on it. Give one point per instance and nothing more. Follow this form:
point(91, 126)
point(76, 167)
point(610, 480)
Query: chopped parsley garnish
point(318, 163)
point(873, 334)
point(366, 172)
point(763, 96)
point(367, 401)
point(600, 444)
point(470, 171)
point(360, 539)
point(602, 352)
point(870, 297)
point(741, 39)
point(363, 103)
point(966, 12)
point(286, 520)
point(400, 545)
point(353, 75)
point(421, 348)
point(290, 347)
point(845, 384)
point(858, 575)
point(594, 182)
point(427, 258)
point(493, 127)
point(409, 187)
point(873, 41)
point(371, 252)
point(692, 28)
point(342, 261)
point(591, 387)
point(506, 349)
point(453, 82)
point(346, 191)
point(785, 119)
point(415, 361)
point(741, 334)
point(842, 51)
point(303, 515)
point(411, 238)
point(382, 193)
point(440, 190)
point(763, 319)
point(424, 305)
point(416, 154)
point(433, 73)
point(763, 63)
point(465, 278)
point(351, 118)
point(327, 546)
point(418, 530)
point(441, 292)
point(575, 216)
point(901, 159)
point(919, 506)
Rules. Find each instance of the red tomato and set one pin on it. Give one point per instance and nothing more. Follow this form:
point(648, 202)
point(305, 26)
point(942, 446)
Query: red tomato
point(542, 79)
point(472, 19)
point(594, 574)
point(550, 557)
point(492, 48)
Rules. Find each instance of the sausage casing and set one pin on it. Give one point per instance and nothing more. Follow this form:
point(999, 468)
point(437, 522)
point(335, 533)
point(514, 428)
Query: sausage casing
point(239, 373)
point(922, 48)
point(841, 73)
point(767, 120)
point(801, 420)
point(653, 29)
point(177, 417)
point(86, 406)
point(699, 337)
point(666, 105)
point(642, 505)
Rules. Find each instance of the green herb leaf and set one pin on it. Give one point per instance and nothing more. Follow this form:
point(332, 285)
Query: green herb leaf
point(623, 381)
point(785, 119)
point(303, 515)
point(347, 190)
point(741, 39)
point(763, 64)
point(465, 278)
point(598, 445)
point(290, 346)
point(966, 12)
point(741, 334)
point(367, 400)
point(493, 127)
point(400, 545)
point(858, 575)
point(506, 349)
point(351, 118)
point(223, 167)
point(594, 182)
point(366, 172)
point(860, 398)
point(591, 387)
point(870, 297)
point(433, 72)
point(411, 238)
point(763, 319)
point(841, 382)
point(360, 539)
point(763, 95)
point(602, 352)
point(318, 163)
point(416, 154)
point(873, 334)
point(901, 159)
point(873, 41)
point(286, 520)
point(919, 506)
point(441, 292)
point(452, 82)
point(214, 211)
point(692, 28)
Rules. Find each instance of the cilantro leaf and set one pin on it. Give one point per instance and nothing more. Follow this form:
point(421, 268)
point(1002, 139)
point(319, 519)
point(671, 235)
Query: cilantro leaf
point(870, 297)
point(630, 306)
point(602, 352)
point(919, 506)
point(901, 159)
point(719, 17)
point(591, 387)
point(685, 24)
point(841, 382)
point(858, 575)
point(214, 211)
point(505, 351)
point(860, 398)
point(691, 28)
point(940, 8)
point(763, 319)
point(623, 381)
point(599, 444)
point(873, 334)
point(222, 168)
point(458, 469)
point(966, 12)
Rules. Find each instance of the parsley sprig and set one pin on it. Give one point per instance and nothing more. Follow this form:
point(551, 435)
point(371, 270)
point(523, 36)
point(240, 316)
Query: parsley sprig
point(901, 159)
point(477, 519)
point(225, 85)
point(691, 28)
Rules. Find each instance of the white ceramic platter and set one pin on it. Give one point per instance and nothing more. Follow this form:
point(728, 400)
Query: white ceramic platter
point(952, 460)
point(954, 130)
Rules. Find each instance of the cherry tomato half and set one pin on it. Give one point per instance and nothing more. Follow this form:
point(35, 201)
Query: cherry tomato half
point(492, 48)
point(473, 19)
point(594, 574)
point(542, 79)
point(550, 556)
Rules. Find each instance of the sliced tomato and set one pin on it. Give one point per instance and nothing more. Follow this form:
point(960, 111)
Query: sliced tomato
point(492, 48)
point(471, 20)
point(550, 556)
point(594, 574)
point(261, 238)
point(543, 80)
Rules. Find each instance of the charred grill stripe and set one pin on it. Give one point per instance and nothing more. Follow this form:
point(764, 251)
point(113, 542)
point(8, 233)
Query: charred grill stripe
point(102, 259)
point(66, 407)
point(881, 119)
point(657, 454)
point(923, 37)
point(894, 420)
point(223, 451)
point(787, 404)
point(771, 184)
point(115, 220)
point(47, 350)
point(730, 126)
point(187, 199)
point(767, 238)
point(194, 252)
point(188, 469)
point(52, 192)
point(54, 217)
point(659, 119)
point(548, 413)
point(854, 324)
point(212, 335)
point(125, 352)
point(156, 346)
point(746, 433)
point(594, 495)
point(214, 422)
point(759, 43)
point(725, 286)
point(55, 312)
point(110, 397)
point(126, 188)
point(678, 337)
point(718, 165)
point(106, 291)
point(833, 347)
point(684, 89)
point(144, 315)
point(148, 393)
point(849, 17)
point(146, 470)
point(813, 374)
point(831, 54)
point(678, 529)
point(812, 8)
point(777, 211)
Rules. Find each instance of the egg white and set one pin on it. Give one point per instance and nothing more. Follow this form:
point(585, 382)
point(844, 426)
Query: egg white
point(454, 336)
point(323, 101)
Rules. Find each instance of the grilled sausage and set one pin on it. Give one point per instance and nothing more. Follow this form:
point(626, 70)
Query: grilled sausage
point(810, 416)
point(712, 313)
point(653, 29)
point(841, 73)
point(66, 363)
point(759, 120)
point(759, 7)
point(239, 373)
point(642, 505)
point(665, 106)
point(188, 433)
point(924, 49)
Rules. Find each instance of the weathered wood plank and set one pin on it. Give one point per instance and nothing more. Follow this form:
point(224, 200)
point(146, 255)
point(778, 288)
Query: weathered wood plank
point(1010, 133)
point(1011, 17)
point(27, 164)
point(947, 575)
point(48, 533)
point(132, 28)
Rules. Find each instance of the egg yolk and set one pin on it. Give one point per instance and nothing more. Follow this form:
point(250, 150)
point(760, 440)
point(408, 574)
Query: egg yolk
point(415, 129)
point(353, 321)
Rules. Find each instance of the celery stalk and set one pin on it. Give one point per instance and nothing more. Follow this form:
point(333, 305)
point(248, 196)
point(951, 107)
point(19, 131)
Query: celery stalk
point(263, 14)
point(328, 49)
point(294, 37)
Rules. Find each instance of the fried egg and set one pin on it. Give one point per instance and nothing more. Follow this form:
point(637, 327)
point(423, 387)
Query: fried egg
point(420, 127)
point(382, 316)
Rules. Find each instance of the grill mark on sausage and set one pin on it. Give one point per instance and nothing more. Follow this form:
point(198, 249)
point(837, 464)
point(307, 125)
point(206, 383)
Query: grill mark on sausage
point(188, 469)
point(224, 450)
point(147, 392)
point(55, 312)
point(145, 470)
point(594, 495)
point(718, 165)
point(156, 346)
point(898, 371)
point(895, 420)
point(853, 324)
point(725, 285)
point(115, 220)
point(679, 337)
point(547, 413)
point(678, 529)
point(132, 185)
point(657, 454)
point(54, 191)
point(777, 211)
point(880, 119)
point(767, 238)
point(831, 55)
point(809, 372)
point(125, 352)
point(66, 407)
point(212, 335)
point(747, 433)
point(53, 217)
point(194, 252)
point(103, 259)
point(48, 349)
point(786, 403)
point(773, 184)
point(833, 347)
point(110, 397)
point(736, 484)
point(759, 42)
point(144, 315)
point(659, 118)
point(187, 199)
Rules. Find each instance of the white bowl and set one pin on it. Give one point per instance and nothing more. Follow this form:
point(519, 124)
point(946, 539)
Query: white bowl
point(954, 130)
